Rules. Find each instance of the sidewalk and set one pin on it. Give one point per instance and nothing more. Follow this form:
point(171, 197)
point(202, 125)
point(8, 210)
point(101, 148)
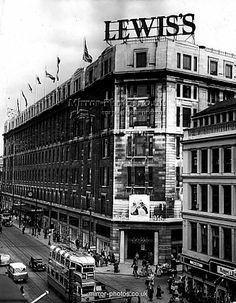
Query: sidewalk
point(28, 231)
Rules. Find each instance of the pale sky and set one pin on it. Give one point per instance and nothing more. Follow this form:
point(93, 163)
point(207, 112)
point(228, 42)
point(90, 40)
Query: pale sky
point(34, 32)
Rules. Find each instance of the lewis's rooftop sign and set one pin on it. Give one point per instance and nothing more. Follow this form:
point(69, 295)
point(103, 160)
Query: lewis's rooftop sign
point(172, 25)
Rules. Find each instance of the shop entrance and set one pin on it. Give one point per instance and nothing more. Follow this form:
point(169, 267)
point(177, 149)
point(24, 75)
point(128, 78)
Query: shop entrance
point(141, 242)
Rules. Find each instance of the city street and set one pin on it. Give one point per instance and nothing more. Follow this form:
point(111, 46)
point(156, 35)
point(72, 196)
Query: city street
point(21, 246)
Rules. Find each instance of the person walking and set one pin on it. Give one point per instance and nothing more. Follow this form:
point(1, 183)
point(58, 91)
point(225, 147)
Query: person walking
point(170, 281)
point(22, 290)
point(77, 243)
point(23, 229)
point(150, 291)
point(159, 292)
point(135, 270)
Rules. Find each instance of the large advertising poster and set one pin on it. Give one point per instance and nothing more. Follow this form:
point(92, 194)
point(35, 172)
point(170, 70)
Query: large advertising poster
point(139, 207)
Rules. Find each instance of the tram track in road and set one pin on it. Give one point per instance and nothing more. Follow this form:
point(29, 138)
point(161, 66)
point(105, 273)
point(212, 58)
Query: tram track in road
point(20, 248)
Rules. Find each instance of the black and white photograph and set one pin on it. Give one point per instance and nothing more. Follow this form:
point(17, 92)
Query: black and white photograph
point(117, 151)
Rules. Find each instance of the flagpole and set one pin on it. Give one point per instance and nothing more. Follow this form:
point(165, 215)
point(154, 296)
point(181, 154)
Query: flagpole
point(56, 82)
point(45, 79)
point(57, 77)
point(36, 90)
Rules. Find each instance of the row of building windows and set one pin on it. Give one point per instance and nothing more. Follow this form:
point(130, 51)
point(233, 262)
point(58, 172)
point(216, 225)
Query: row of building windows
point(190, 63)
point(205, 239)
point(61, 175)
point(212, 160)
point(63, 197)
point(76, 151)
point(190, 91)
point(215, 119)
point(212, 198)
point(58, 128)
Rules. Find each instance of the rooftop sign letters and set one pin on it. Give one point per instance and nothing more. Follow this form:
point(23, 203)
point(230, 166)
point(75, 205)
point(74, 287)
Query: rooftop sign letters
point(172, 25)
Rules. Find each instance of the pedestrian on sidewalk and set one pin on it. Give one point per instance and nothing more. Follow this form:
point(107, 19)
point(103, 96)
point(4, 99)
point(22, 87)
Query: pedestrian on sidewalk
point(158, 270)
point(135, 261)
point(22, 290)
point(150, 291)
point(170, 281)
point(116, 267)
point(23, 229)
point(39, 231)
point(77, 243)
point(135, 271)
point(159, 292)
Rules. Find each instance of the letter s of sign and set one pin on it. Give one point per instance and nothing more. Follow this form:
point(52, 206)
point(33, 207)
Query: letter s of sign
point(189, 23)
point(107, 31)
point(173, 25)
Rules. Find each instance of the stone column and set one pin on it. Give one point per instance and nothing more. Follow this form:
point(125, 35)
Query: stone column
point(199, 161)
point(209, 198)
point(221, 243)
point(122, 246)
point(233, 245)
point(221, 160)
point(156, 247)
point(199, 238)
point(233, 195)
point(209, 161)
point(221, 199)
point(209, 236)
point(233, 165)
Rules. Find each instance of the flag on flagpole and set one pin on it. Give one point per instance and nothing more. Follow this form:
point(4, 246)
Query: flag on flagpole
point(30, 88)
point(10, 112)
point(18, 106)
point(58, 62)
point(26, 102)
point(86, 56)
point(38, 80)
point(50, 76)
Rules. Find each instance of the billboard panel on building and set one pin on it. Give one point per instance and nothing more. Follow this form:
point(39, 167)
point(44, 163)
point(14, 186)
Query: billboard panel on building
point(139, 207)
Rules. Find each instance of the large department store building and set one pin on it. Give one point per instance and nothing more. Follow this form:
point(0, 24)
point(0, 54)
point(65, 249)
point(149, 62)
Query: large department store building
point(100, 157)
point(209, 212)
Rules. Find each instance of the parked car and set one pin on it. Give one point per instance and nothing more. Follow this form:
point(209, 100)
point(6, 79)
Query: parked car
point(8, 223)
point(5, 217)
point(36, 263)
point(4, 259)
point(17, 272)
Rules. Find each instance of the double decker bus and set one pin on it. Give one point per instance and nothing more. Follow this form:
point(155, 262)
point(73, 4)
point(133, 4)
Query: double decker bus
point(71, 273)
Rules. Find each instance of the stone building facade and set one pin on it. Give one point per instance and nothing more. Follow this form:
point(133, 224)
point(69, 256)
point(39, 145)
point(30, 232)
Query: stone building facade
point(209, 249)
point(101, 156)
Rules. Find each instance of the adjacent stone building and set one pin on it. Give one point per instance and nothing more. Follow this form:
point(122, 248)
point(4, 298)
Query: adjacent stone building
point(209, 229)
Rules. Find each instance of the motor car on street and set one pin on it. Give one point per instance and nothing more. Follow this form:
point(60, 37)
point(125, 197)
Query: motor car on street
point(36, 263)
point(8, 223)
point(17, 272)
point(4, 259)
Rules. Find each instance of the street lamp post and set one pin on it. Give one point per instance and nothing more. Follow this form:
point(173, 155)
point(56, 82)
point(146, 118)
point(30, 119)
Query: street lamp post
point(30, 194)
point(90, 225)
point(20, 215)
